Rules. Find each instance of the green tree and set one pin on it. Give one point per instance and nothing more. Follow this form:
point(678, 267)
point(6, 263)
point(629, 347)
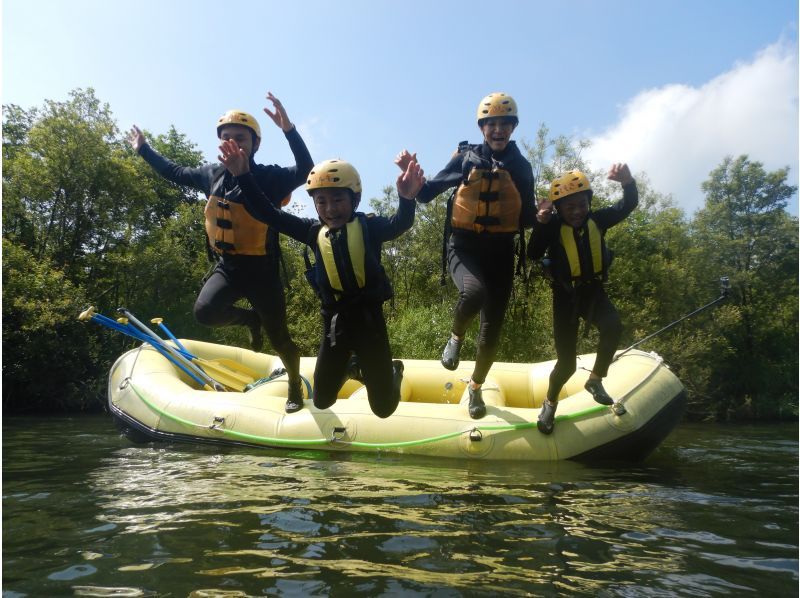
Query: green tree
point(743, 231)
point(51, 362)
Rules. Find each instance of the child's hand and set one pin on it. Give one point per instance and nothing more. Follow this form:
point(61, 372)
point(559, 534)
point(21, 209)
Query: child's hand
point(136, 138)
point(545, 211)
point(410, 180)
point(233, 157)
point(403, 159)
point(621, 173)
point(279, 117)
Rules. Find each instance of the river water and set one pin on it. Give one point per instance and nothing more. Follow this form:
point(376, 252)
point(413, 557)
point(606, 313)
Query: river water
point(713, 512)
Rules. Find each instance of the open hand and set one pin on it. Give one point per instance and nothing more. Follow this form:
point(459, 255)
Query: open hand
point(136, 138)
point(621, 173)
point(403, 159)
point(411, 180)
point(233, 157)
point(279, 117)
point(545, 211)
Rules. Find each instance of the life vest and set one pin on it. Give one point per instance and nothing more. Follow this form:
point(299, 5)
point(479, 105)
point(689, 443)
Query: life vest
point(573, 265)
point(487, 201)
point(230, 227)
point(346, 269)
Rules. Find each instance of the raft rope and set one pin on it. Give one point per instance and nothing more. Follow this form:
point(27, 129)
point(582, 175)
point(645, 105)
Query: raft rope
point(369, 445)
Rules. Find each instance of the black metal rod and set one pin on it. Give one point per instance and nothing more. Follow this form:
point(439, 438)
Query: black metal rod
point(724, 289)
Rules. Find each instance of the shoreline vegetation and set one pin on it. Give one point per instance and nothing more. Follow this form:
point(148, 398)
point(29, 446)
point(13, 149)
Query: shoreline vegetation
point(86, 222)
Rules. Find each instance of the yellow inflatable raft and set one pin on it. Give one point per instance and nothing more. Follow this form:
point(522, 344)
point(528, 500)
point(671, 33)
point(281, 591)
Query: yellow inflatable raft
point(152, 399)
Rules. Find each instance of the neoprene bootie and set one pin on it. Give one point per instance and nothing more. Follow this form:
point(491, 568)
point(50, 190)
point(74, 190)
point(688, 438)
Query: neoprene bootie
point(477, 408)
point(397, 376)
point(547, 417)
point(595, 387)
point(254, 326)
point(294, 402)
point(450, 354)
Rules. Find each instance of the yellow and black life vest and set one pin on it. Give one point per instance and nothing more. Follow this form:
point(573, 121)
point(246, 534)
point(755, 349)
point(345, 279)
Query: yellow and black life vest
point(487, 201)
point(232, 230)
point(346, 268)
point(582, 256)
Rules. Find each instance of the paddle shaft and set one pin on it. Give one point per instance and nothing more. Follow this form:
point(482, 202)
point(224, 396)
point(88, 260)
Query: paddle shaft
point(129, 330)
point(154, 337)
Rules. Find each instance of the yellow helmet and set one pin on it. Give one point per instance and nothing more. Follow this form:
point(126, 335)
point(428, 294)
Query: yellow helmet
point(569, 183)
point(237, 117)
point(334, 173)
point(497, 104)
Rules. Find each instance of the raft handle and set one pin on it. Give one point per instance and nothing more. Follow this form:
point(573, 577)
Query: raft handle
point(341, 431)
point(475, 435)
point(618, 409)
point(218, 421)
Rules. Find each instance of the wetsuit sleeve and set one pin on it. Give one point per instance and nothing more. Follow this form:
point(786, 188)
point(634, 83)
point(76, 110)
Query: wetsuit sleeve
point(525, 185)
point(608, 217)
point(450, 176)
point(198, 178)
point(386, 229)
point(542, 237)
point(261, 208)
point(290, 178)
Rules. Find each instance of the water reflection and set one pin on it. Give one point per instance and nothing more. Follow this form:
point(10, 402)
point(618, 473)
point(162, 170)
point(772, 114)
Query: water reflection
point(200, 521)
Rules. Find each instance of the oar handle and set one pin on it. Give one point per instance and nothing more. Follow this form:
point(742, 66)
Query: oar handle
point(157, 339)
point(128, 330)
point(160, 323)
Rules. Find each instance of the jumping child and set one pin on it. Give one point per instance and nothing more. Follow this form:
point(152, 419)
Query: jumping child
point(246, 250)
point(347, 275)
point(574, 240)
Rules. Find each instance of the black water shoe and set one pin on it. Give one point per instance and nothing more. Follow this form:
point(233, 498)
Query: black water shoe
point(477, 408)
point(256, 338)
point(354, 370)
point(450, 358)
point(397, 376)
point(595, 387)
point(294, 402)
point(547, 416)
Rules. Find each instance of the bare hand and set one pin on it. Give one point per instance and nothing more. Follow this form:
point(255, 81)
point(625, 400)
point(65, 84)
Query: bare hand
point(411, 180)
point(621, 173)
point(136, 138)
point(403, 159)
point(279, 117)
point(545, 211)
point(233, 157)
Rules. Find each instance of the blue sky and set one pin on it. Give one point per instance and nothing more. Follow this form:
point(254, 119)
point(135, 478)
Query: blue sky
point(670, 87)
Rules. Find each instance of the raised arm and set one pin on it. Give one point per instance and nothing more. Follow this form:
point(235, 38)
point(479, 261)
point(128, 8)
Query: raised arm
point(198, 178)
point(608, 217)
point(292, 176)
point(255, 202)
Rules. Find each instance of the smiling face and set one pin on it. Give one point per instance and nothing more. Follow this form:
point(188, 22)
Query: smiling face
point(243, 137)
point(334, 205)
point(574, 209)
point(497, 132)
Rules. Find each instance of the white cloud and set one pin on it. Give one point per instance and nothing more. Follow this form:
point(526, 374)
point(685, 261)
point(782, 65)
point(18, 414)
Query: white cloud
point(677, 134)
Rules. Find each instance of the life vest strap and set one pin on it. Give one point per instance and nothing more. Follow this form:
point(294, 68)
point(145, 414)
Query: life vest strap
point(487, 220)
point(224, 223)
point(488, 196)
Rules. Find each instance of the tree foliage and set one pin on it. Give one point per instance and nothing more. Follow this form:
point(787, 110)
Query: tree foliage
point(87, 221)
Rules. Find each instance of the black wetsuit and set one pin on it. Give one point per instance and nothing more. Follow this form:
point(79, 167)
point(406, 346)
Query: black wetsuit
point(254, 277)
point(354, 324)
point(482, 264)
point(572, 301)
